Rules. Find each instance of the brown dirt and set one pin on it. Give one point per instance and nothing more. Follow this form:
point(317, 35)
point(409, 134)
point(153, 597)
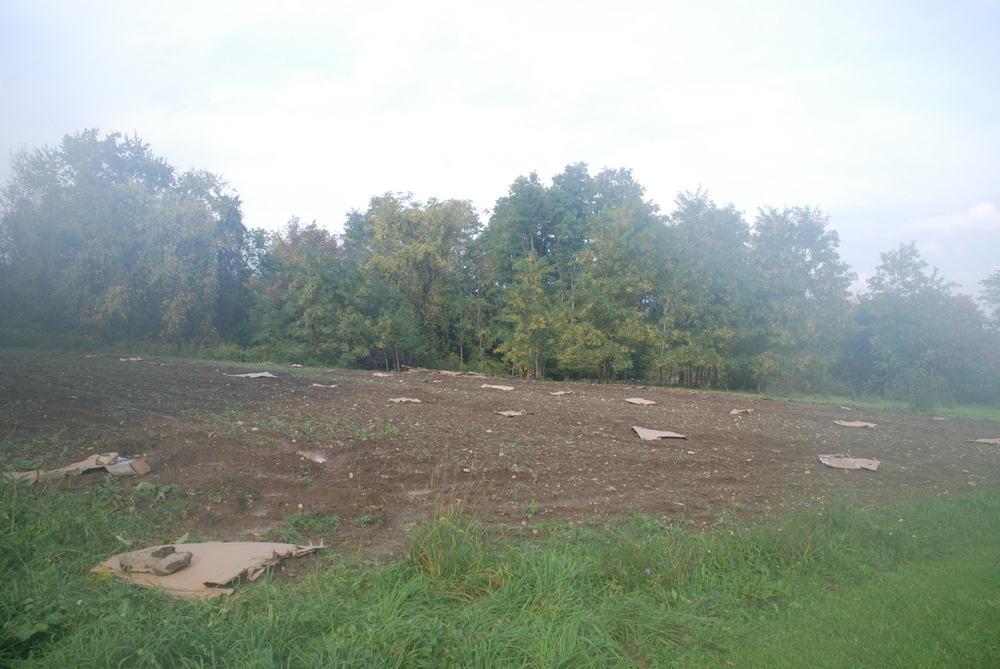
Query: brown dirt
point(239, 449)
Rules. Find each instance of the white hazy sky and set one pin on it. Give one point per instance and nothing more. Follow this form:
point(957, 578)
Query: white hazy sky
point(884, 114)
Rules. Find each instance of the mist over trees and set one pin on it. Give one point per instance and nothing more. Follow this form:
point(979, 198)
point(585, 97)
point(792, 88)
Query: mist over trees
point(103, 243)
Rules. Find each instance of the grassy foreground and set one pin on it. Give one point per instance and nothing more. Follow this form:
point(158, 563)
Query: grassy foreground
point(828, 585)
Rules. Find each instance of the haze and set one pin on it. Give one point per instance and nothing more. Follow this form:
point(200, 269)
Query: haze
point(882, 114)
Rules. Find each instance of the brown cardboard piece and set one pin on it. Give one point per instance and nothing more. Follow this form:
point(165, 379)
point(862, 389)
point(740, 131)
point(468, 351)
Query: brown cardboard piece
point(638, 400)
point(651, 435)
point(736, 412)
point(846, 462)
point(562, 392)
point(855, 423)
point(213, 564)
point(108, 461)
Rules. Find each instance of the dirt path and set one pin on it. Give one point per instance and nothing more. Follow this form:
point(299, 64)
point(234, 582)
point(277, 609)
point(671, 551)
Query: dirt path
point(245, 452)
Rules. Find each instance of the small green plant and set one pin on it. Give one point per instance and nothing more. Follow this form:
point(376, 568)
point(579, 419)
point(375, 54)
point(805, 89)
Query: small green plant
point(155, 490)
point(372, 516)
point(531, 510)
point(304, 522)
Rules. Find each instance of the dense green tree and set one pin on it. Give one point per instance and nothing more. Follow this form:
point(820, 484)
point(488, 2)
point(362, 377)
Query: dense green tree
point(917, 340)
point(798, 294)
point(991, 296)
point(703, 304)
point(100, 237)
point(421, 251)
point(528, 318)
point(607, 329)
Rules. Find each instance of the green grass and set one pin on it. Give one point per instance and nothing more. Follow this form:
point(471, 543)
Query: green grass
point(876, 403)
point(828, 585)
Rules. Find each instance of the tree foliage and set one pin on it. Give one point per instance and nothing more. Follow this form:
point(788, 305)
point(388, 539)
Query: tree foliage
point(102, 238)
point(581, 277)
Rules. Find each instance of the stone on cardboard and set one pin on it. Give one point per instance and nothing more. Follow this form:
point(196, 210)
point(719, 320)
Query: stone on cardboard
point(159, 560)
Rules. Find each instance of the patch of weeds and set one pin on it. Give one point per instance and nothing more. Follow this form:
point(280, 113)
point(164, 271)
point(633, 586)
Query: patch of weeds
point(373, 516)
point(155, 490)
point(26, 464)
point(388, 432)
point(531, 509)
point(301, 523)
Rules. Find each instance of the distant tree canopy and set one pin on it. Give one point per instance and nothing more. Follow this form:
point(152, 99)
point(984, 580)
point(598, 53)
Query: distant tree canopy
point(580, 279)
point(102, 238)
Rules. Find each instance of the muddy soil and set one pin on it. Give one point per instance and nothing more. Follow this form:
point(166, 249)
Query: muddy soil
point(245, 453)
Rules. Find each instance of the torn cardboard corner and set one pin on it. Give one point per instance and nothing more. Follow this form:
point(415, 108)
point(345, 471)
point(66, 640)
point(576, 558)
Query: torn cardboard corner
point(511, 414)
point(736, 412)
point(404, 399)
point(486, 385)
point(652, 435)
point(562, 392)
point(855, 423)
point(846, 462)
point(255, 375)
point(985, 441)
point(212, 565)
point(108, 461)
point(638, 400)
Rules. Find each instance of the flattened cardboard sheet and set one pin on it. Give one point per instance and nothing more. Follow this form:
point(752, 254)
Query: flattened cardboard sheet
point(638, 400)
point(109, 461)
point(845, 462)
point(855, 423)
point(652, 435)
point(486, 385)
point(213, 564)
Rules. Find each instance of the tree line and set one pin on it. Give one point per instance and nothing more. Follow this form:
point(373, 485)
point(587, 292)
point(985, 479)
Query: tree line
point(102, 241)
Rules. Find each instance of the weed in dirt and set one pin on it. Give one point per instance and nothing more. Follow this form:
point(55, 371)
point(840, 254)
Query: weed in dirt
point(302, 523)
point(154, 490)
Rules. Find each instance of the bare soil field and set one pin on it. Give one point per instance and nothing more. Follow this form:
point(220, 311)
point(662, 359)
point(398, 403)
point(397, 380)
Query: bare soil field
point(245, 453)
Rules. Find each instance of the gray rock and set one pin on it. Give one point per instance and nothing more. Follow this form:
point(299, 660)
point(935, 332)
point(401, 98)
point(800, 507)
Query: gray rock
point(159, 560)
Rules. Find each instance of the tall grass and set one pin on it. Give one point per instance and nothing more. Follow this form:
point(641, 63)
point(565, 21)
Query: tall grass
point(827, 585)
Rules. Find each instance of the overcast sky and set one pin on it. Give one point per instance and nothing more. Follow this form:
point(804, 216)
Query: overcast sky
point(885, 115)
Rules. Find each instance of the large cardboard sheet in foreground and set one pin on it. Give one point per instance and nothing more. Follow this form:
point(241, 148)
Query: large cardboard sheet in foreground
point(213, 564)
